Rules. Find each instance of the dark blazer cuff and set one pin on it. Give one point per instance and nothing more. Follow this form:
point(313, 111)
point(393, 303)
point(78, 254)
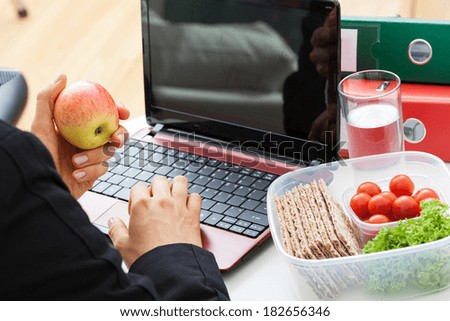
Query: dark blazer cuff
point(182, 272)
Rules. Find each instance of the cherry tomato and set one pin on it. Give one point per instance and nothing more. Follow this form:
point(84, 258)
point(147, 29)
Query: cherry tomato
point(360, 205)
point(425, 193)
point(378, 219)
point(370, 188)
point(401, 185)
point(405, 207)
point(379, 204)
point(389, 195)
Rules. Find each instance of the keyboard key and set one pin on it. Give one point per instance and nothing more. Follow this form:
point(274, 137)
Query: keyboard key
point(223, 225)
point(250, 233)
point(262, 208)
point(229, 187)
point(172, 152)
point(196, 189)
point(219, 208)
point(168, 160)
point(202, 180)
point(246, 181)
point(202, 160)
point(213, 162)
point(207, 204)
point(163, 170)
point(138, 163)
point(236, 200)
point(260, 184)
point(254, 217)
point(213, 219)
point(250, 204)
point(181, 164)
point(225, 165)
point(257, 195)
point(151, 167)
point(123, 194)
point(160, 149)
point(191, 176)
point(209, 193)
point(176, 172)
point(237, 229)
point(233, 177)
point(191, 157)
point(242, 191)
point(128, 182)
point(193, 167)
point(270, 177)
point(204, 215)
point(132, 172)
point(182, 154)
point(246, 171)
point(206, 170)
point(258, 174)
point(100, 187)
point(111, 190)
point(144, 176)
point(243, 223)
point(220, 173)
point(118, 169)
point(115, 179)
point(222, 197)
point(229, 219)
point(156, 157)
point(234, 211)
point(133, 151)
point(105, 176)
point(257, 227)
point(235, 168)
point(215, 183)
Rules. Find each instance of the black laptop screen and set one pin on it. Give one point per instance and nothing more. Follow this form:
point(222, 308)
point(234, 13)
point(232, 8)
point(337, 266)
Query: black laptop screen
point(259, 73)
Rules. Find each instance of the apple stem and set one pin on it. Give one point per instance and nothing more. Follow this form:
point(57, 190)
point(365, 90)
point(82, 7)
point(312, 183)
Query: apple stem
point(98, 131)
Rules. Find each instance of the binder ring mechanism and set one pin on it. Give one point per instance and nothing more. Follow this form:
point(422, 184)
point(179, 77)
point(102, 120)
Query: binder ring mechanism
point(414, 130)
point(420, 52)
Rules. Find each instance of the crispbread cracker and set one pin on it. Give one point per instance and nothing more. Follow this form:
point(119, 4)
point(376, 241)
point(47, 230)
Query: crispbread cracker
point(327, 220)
point(283, 227)
point(313, 233)
point(306, 247)
point(344, 228)
point(308, 197)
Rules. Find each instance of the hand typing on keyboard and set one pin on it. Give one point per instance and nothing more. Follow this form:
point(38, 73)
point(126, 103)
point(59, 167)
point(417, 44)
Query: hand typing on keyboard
point(79, 169)
point(161, 214)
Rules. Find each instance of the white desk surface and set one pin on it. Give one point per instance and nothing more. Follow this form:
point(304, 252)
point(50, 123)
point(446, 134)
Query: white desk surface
point(264, 276)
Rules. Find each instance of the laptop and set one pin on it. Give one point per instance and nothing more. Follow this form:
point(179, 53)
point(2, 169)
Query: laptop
point(234, 98)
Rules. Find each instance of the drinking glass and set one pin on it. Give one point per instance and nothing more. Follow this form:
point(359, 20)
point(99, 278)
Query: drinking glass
point(372, 111)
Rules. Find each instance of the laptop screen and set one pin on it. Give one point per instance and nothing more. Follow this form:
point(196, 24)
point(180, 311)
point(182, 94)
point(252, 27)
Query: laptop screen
point(261, 74)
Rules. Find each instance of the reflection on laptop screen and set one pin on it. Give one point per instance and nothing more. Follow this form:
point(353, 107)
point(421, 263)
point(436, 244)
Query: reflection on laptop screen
point(258, 71)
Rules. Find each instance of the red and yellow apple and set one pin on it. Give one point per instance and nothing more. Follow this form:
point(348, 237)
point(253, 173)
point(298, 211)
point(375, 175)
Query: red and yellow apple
point(86, 115)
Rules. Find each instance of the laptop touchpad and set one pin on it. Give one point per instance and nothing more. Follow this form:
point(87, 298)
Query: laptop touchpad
point(118, 210)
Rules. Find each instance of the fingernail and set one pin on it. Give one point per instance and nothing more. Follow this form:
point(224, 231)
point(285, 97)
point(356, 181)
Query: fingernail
point(57, 79)
point(80, 175)
point(81, 159)
point(110, 222)
point(121, 138)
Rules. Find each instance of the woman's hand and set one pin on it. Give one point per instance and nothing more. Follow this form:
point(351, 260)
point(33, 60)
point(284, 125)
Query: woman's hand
point(78, 168)
point(162, 214)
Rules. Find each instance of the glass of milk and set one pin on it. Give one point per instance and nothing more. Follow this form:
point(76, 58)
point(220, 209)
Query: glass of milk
point(372, 111)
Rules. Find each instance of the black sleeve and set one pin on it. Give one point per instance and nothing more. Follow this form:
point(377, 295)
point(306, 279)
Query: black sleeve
point(50, 250)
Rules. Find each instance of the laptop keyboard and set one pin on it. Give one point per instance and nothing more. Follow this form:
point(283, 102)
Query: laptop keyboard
point(233, 197)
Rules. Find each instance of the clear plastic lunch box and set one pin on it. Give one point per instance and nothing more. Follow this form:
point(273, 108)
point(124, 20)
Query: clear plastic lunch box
point(391, 275)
